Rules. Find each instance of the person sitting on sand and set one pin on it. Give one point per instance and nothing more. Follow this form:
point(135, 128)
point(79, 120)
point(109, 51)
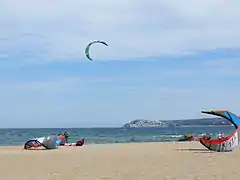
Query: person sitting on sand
point(187, 136)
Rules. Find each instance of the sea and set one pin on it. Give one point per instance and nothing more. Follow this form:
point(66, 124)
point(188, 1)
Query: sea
point(16, 137)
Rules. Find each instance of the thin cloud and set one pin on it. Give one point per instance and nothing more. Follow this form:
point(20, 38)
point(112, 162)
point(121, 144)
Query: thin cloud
point(59, 85)
point(223, 67)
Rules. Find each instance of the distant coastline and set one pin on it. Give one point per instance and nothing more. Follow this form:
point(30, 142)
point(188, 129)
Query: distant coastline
point(177, 123)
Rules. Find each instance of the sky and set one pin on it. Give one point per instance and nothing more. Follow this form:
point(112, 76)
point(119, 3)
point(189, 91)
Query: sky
point(166, 60)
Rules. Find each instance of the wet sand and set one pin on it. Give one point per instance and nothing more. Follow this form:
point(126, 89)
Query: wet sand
point(135, 161)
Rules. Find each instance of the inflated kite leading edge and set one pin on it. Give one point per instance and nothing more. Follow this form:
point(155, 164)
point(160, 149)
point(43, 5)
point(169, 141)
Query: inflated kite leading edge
point(88, 47)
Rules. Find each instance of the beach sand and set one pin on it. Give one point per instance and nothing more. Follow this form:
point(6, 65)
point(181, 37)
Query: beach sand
point(135, 161)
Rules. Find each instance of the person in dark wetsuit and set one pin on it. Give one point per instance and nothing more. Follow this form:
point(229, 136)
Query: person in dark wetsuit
point(66, 135)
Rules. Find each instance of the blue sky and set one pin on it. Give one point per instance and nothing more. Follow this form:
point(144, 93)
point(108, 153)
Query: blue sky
point(165, 60)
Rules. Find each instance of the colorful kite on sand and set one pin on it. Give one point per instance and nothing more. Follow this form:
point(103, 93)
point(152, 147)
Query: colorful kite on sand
point(228, 143)
point(50, 142)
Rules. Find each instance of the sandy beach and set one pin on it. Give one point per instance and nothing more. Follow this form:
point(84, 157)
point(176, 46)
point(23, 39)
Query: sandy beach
point(140, 161)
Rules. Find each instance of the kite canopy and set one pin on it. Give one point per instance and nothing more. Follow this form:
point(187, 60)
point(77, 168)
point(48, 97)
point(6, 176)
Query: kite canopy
point(225, 114)
point(88, 47)
point(80, 142)
point(49, 142)
point(228, 143)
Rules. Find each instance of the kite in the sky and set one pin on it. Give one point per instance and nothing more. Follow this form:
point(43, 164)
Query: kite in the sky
point(228, 143)
point(88, 47)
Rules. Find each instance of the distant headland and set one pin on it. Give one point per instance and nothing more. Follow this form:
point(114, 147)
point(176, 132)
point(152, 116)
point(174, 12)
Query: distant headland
point(177, 123)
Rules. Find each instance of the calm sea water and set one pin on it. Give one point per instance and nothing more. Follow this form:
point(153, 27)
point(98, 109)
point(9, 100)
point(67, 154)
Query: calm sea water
point(110, 135)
